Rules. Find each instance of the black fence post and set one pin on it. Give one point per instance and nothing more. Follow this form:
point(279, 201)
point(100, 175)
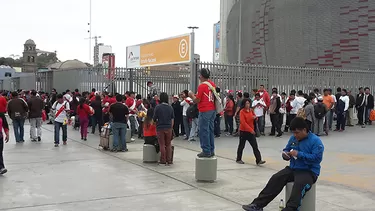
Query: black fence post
point(131, 79)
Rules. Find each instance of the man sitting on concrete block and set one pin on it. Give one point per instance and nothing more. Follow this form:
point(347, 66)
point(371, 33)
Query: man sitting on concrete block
point(305, 153)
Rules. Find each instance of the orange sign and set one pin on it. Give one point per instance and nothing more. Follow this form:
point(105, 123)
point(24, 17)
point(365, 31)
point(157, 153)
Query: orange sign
point(169, 51)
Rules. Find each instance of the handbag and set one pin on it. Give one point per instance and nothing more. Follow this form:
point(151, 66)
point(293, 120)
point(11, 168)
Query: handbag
point(218, 104)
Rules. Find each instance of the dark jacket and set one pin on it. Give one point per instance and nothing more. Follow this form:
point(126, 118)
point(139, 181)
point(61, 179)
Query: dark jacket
point(36, 106)
point(370, 102)
point(177, 108)
point(359, 100)
point(352, 101)
point(98, 108)
point(17, 109)
point(163, 116)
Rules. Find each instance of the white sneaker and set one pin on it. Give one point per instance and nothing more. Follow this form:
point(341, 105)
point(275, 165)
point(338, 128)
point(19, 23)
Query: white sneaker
point(3, 171)
point(132, 139)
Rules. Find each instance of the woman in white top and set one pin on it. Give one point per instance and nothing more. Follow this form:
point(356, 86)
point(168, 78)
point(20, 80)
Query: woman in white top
point(185, 103)
point(341, 108)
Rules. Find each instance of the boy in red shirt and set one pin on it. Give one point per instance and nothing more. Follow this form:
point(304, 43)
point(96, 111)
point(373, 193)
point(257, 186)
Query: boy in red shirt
point(131, 104)
point(205, 98)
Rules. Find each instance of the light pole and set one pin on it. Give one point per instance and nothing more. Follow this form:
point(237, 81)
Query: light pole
point(193, 64)
point(193, 28)
point(89, 31)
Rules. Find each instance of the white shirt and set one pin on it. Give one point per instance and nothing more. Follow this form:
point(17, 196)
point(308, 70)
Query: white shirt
point(297, 103)
point(346, 100)
point(185, 105)
point(63, 117)
point(258, 110)
point(68, 97)
point(334, 100)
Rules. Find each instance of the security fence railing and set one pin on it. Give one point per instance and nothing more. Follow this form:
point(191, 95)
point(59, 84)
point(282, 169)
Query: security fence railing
point(227, 76)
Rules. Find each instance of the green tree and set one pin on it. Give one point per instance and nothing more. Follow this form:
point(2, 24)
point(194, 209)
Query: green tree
point(43, 60)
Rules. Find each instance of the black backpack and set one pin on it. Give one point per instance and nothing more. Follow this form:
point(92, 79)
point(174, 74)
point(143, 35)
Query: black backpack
point(192, 111)
point(320, 111)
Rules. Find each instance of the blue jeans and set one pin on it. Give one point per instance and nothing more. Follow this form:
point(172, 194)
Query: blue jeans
point(367, 115)
point(206, 131)
point(59, 125)
point(260, 125)
point(187, 126)
point(18, 129)
point(217, 125)
point(119, 134)
point(194, 128)
point(329, 116)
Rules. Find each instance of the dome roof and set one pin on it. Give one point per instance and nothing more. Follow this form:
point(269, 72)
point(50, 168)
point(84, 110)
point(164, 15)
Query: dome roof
point(29, 42)
point(68, 64)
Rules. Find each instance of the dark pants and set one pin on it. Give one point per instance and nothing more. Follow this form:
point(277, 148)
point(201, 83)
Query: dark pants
point(97, 120)
point(18, 127)
point(217, 125)
point(303, 180)
point(309, 124)
point(229, 120)
point(59, 125)
point(247, 136)
point(360, 115)
point(1, 153)
point(289, 118)
point(152, 140)
point(176, 127)
point(140, 128)
point(341, 121)
point(5, 122)
point(275, 124)
point(226, 123)
point(165, 143)
point(281, 120)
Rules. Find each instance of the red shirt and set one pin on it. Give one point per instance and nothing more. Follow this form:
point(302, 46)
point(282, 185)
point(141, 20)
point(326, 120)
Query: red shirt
point(3, 104)
point(130, 102)
point(266, 98)
point(247, 121)
point(206, 97)
point(139, 102)
point(150, 131)
point(84, 112)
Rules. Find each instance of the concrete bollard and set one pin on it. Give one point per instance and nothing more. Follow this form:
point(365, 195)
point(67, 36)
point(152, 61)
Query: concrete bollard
point(149, 154)
point(308, 202)
point(206, 169)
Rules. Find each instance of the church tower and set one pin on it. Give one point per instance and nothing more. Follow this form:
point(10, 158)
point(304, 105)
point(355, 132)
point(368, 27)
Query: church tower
point(29, 64)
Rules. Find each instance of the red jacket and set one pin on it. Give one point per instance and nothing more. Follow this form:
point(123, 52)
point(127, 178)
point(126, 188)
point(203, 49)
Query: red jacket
point(266, 98)
point(84, 112)
point(3, 104)
point(150, 131)
point(247, 121)
point(229, 108)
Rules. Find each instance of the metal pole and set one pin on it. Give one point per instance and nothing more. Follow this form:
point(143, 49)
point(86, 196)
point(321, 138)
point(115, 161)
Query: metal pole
point(240, 35)
point(90, 33)
point(193, 70)
point(239, 46)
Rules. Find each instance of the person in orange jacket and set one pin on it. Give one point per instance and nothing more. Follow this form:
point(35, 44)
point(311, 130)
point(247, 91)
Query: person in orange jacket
point(247, 133)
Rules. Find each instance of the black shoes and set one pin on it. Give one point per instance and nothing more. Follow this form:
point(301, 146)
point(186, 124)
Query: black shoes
point(204, 155)
point(3, 171)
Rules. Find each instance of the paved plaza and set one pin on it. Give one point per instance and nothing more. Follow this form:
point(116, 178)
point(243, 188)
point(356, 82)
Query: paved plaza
point(79, 176)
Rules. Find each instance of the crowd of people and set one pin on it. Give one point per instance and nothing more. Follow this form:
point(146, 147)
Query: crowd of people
point(197, 115)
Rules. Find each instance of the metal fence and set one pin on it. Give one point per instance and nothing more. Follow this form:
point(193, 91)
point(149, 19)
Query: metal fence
point(25, 81)
point(227, 76)
point(125, 79)
point(247, 77)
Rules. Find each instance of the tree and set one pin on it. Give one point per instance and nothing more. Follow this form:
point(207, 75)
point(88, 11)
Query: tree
point(10, 62)
point(45, 59)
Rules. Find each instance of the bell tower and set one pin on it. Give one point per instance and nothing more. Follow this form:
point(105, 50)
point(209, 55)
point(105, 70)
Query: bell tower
point(29, 64)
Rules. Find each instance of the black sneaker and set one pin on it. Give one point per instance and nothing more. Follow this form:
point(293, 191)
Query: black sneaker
point(33, 140)
point(85, 139)
point(251, 207)
point(240, 162)
point(56, 145)
point(272, 134)
point(39, 139)
point(279, 135)
point(204, 155)
point(3, 171)
point(261, 162)
point(213, 154)
point(124, 150)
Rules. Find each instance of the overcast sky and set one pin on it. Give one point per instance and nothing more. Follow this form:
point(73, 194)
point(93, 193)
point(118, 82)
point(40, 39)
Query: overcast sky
point(61, 25)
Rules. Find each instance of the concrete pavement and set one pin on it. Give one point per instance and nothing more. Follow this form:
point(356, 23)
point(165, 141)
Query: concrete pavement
point(81, 177)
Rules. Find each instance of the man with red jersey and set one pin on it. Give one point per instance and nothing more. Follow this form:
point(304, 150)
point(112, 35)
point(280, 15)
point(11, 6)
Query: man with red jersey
point(131, 104)
point(205, 99)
